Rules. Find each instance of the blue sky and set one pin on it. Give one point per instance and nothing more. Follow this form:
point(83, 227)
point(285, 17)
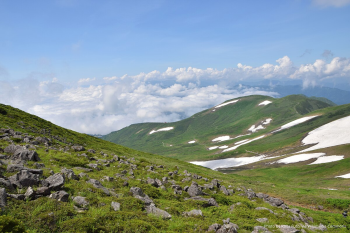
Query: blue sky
point(76, 39)
point(103, 51)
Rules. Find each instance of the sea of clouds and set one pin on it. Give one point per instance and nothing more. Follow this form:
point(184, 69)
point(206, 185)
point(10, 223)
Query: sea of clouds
point(103, 105)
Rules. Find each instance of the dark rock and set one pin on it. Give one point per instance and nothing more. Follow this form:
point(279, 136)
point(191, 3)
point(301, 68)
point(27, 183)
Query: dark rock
point(165, 180)
point(3, 198)
point(80, 201)
point(214, 227)
point(159, 182)
point(262, 195)
point(186, 179)
point(209, 201)
point(228, 228)
point(60, 196)
point(193, 213)
point(11, 149)
point(151, 209)
point(24, 178)
point(30, 193)
point(177, 189)
point(43, 191)
point(250, 194)
point(152, 182)
point(5, 183)
point(68, 173)
point(17, 196)
point(19, 167)
point(98, 185)
point(115, 206)
point(209, 186)
point(138, 193)
point(26, 155)
point(274, 201)
point(91, 151)
point(54, 182)
point(216, 183)
point(194, 190)
point(125, 184)
point(39, 165)
point(78, 148)
point(224, 190)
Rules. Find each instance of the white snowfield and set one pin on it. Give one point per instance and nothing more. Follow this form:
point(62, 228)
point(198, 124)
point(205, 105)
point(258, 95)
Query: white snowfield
point(332, 134)
point(260, 126)
point(240, 142)
point(223, 147)
point(296, 122)
point(267, 121)
point(224, 104)
point(300, 158)
point(346, 176)
point(162, 129)
point(231, 162)
point(190, 142)
point(253, 129)
point(213, 147)
point(246, 142)
point(266, 102)
point(221, 139)
point(328, 159)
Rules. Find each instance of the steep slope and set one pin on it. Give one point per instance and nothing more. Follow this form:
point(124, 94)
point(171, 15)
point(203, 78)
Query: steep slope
point(208, 133)
point(56, 180)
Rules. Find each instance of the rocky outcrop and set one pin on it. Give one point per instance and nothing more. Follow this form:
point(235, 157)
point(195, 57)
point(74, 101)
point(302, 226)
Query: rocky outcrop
point(209, 201)
point(54, 182)
point(195, 190)
point(24, 178)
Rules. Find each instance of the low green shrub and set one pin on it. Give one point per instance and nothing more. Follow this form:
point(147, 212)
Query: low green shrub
point(10, 224)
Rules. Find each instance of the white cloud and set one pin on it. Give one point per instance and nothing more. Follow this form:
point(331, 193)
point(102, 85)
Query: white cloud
point(111, 103)
point(86, 80)
point(334, 3)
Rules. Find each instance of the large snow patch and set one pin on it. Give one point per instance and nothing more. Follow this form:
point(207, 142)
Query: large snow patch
point(332, 134)
point(300, 158)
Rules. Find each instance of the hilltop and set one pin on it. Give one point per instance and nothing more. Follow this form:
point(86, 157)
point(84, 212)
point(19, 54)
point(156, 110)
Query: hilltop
point(207, 134)
point(57, 180)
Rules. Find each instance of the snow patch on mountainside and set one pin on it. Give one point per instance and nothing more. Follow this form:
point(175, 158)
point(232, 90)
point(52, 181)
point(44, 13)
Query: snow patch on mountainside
point(224, 104)
point(296, 122)
point(230, 162)
point(162, 129)
point(264, 103)
point(221, 139)
point(332, 134)
point(246, 142)
point(328, 159)
point(300, 158)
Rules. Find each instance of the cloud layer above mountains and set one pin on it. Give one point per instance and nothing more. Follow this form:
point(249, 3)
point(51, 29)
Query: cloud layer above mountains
point(102, 105)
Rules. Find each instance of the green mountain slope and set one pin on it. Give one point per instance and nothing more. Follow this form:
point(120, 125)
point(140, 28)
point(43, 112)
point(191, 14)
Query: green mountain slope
point(232, 120)
point(98, 191)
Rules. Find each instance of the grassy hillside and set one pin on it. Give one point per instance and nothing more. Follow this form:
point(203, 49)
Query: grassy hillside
point(233, 120)
point(118, 169)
